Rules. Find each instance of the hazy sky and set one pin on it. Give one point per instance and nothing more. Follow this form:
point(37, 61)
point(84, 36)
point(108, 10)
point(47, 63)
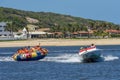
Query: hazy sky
point(107, 10)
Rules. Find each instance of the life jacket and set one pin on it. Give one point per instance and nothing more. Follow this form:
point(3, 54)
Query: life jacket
point(26, 51)
point(28, 55)
point(22, 51)
point(30, 51)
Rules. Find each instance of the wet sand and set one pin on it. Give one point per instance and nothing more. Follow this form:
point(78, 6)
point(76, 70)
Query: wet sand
point(60, 42)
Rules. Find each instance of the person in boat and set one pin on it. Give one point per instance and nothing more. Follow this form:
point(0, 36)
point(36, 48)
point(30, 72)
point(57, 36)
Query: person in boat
point(20, 51)
point(83, 49)
point(42, 50)
point(32, 50)
point(92, 46)
point(28, 47)
point(38, 48)
point(25, 49)
point(35, 48)
point(38, 45)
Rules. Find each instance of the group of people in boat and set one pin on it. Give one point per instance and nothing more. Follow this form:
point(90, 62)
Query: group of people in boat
point(27, 50)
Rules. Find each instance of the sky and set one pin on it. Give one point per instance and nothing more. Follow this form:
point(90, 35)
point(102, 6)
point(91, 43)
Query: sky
point(106, 10)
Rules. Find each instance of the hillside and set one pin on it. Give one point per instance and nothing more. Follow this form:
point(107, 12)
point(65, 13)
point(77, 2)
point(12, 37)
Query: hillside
point(56, 22)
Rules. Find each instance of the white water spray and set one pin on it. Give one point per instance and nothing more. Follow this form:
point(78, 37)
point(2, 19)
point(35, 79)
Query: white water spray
point(65, 58)
point(8, 58)
point(110, 58)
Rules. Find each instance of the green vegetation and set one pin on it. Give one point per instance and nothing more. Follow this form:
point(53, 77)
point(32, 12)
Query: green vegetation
point(56, 22)
point(115, 35)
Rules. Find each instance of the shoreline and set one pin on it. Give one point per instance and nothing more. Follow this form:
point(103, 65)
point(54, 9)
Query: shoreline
point(60, 42)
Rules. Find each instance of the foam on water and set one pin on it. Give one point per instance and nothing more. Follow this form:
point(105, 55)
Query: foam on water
point(64, 58)
point(6, 58)
point(75, 58)
point(110, 58)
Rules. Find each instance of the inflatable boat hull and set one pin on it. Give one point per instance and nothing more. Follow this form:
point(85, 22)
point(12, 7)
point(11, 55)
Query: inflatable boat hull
point(28, 57)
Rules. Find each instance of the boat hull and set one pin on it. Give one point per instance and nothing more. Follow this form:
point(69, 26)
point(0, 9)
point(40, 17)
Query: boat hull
point(29, 57)
point(91, 56)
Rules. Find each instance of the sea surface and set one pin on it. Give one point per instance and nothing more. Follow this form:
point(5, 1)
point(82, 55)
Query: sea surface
point(61, 63)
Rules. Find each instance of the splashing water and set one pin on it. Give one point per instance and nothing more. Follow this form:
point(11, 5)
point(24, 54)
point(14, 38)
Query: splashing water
point(65, 58)
point(75, 58)
point(110, 58)
point(8, 58)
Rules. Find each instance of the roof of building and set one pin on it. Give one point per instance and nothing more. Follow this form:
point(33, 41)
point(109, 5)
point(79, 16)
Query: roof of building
point(113, 31)
point(40, 32)
point(24, 29)
point(85, 32)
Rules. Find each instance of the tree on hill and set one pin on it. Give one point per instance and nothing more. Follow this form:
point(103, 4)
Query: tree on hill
point(56, 22)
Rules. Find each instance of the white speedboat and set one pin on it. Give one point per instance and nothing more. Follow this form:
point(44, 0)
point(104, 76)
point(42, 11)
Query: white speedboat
point(90, 54)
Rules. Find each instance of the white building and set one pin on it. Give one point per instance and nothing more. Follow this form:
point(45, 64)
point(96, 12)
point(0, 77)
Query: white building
point(39, 34)
point(23, 35)
point(3, 33)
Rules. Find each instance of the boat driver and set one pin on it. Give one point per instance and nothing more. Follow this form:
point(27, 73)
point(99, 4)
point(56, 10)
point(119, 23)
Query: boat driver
point(93, 46)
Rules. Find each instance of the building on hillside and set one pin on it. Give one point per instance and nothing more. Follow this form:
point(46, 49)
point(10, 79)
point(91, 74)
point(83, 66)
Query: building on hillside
point(40, 34)
point(34, 32)
point(58, 35)
point(82, 34)
point(21, 35)
point(3, 33)
point(86, 33)
point(113, 31)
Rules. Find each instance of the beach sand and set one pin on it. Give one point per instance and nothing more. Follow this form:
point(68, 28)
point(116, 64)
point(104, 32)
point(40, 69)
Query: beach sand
point(60, 42)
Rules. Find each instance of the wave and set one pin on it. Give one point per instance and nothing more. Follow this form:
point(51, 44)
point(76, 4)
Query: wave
point(110, 49)
point(64, 58)
point(8, 58)
point(75, 58)
point(63, 51)
point(110, 58)
point(6, 52)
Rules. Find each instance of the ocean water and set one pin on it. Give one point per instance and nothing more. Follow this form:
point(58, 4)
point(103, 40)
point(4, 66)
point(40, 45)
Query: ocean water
point(61, 63)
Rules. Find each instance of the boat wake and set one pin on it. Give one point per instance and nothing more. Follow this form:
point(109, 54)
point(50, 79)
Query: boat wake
point(75, 58)
point(6, 58)
point(110, 58)
point(64, 58)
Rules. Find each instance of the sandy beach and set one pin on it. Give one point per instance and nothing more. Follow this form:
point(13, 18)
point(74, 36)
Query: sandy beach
point(60, 42)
